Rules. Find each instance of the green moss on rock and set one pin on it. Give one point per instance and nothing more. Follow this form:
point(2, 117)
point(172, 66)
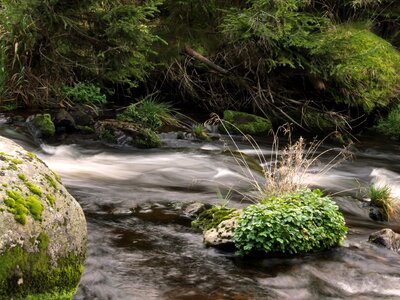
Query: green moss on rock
point(20, 206)
point(33, 188)
point(245, 123)
point(27, 275)
point(212, 217)
point(51, 181)
point(361, 68)
point(51, 199)
point(44, 124)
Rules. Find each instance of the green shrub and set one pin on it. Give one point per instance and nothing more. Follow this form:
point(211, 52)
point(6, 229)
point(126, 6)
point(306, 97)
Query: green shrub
point(51, 41)
point(390, 125)
point(84, 93)
point(298, 222)
point(147, 139)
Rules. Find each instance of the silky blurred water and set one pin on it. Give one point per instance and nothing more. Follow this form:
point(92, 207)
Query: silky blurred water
point(138, 250)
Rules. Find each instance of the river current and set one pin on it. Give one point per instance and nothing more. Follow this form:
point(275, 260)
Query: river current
point(139, 249)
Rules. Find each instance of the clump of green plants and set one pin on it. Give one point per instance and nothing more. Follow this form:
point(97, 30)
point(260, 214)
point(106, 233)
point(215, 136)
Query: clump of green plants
point(390, 125)
point(381, 197)
point(296, 222)
point(150, 113)
point(147, 139)
point(84, 93)
point(199, 131)
point(210, 218)
point(107, 135)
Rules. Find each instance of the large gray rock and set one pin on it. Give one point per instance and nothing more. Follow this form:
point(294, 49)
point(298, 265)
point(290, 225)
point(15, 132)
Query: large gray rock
point(386, 238)
point(42, 228)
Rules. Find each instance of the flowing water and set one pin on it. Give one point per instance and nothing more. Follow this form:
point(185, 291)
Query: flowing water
point(139, 248)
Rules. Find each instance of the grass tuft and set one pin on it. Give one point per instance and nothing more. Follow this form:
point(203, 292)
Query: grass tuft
point(381, 197)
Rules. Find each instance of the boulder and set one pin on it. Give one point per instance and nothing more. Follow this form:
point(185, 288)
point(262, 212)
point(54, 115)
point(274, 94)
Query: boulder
point(41, 126)
point(64, 120)
point(386, 238)
point(194, 209)
point(42, 229)
point(222, 235)
point(122, 133)
point(241, 122)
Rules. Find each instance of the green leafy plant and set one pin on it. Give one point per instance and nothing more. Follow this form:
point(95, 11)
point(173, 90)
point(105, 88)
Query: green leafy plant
point(84, 93)
point(297, 222)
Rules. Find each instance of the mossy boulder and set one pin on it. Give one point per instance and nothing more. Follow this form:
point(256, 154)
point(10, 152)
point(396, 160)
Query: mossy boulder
point(42, 229)
point(123, 132)
point(361, 69)
point(41, 125)
point(241, 122)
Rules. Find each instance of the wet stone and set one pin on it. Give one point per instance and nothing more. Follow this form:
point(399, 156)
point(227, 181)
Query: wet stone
point(386, 238)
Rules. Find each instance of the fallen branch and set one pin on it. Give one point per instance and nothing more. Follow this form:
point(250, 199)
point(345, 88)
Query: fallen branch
point(205, 61)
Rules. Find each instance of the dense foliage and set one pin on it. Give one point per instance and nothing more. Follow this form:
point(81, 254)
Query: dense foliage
point(47, 43)
point(149, 113)
point(85, 93)
point(297, 222)
point(287, 60)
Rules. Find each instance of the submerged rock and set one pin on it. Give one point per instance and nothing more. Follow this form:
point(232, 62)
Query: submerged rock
point(386, 238)
point(42, 228)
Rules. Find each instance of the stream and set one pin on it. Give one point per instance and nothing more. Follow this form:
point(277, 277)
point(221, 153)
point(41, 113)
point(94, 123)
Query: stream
point(139, 249)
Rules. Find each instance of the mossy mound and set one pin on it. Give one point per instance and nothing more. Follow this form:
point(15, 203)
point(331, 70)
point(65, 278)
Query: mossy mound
point(42, 229)
point(361, 69)
point(44, 125)
point(241, 122)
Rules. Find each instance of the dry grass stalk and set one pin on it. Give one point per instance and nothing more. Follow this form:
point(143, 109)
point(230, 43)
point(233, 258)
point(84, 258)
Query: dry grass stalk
point(285, 169)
